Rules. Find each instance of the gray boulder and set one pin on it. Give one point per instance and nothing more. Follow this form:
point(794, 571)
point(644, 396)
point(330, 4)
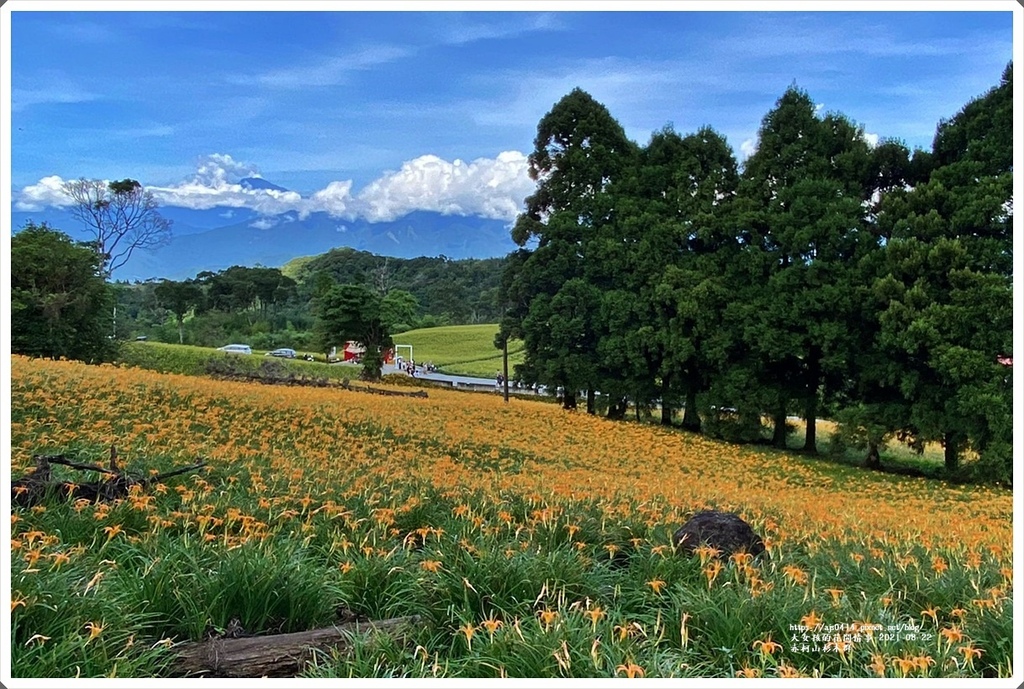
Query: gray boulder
point(722, 530)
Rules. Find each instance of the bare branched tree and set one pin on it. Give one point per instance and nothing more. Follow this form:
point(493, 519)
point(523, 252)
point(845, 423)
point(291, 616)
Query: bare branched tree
point(382, 278)
point(121, 215)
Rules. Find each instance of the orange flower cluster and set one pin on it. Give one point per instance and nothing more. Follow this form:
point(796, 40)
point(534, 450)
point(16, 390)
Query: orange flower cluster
point(301, 454)
point(310, 443)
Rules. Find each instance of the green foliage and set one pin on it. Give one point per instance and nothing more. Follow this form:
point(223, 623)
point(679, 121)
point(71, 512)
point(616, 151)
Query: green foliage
point(353, 312)
point(179, 298)
point(166, 358)
point(523, 599)
point(942, 292)
point(194, 361)
point(60, 304)
point(398, 307)
point(870, 284)
point(445, 290)
point(580, 152)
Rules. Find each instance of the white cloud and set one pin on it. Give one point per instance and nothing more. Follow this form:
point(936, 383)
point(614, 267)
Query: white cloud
point(492, 188)
point(217, 169)
point(871, 139)
point(48, 87)
point(263, 223)
point(215, 184)
point(329, 72)
point(459, 31)
point(748, 148)
point(487, 187)
point(45, 193)
point(335, 199)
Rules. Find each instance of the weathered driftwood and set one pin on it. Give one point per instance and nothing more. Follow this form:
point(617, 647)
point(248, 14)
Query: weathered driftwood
point(277, 655)
point(34, 487)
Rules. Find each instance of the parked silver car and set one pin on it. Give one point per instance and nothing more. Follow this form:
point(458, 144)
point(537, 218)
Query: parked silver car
point(283, 352)
point(236, 349)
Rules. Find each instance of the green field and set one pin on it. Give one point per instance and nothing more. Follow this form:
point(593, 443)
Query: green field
point(464, 349)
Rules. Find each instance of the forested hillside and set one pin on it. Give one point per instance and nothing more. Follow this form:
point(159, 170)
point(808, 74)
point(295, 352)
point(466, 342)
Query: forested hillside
point(456, 292)
point(270, 307)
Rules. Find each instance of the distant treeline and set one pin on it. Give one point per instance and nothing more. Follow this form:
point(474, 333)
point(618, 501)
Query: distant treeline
point(270, 307)
point(827, 276)
point(451, 292)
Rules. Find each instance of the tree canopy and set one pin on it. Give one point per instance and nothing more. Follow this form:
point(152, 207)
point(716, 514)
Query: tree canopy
point(60, 303)
point(828, 276)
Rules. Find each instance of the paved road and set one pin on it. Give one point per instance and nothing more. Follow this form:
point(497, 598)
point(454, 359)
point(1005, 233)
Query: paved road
point(455, 380)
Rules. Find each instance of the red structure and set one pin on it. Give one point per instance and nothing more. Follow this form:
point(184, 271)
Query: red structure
point(354, 350)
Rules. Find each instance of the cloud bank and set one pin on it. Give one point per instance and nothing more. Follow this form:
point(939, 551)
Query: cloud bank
point(487, 187)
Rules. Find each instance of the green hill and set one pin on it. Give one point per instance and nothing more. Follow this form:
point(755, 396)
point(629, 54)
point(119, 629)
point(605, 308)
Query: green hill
point(464, 349)
point(463, 291)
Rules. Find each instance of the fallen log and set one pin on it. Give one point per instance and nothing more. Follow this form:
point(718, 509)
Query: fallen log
point(346, 384)
point(277, 655)
point(35, 486)
point(272, 378)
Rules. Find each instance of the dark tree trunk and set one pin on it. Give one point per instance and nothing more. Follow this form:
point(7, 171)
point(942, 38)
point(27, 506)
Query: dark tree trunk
point(636, 409)
point(811, 410)
point(666, 406)
point(779, 423)
point(810, 438)
point(591, 401)
point(952, 451)
point(873, 460)
point(691, 419)
point(568, 399)
point(617, 410)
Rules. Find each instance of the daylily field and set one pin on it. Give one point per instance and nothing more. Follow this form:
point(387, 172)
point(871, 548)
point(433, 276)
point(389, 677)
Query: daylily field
point(530, 541)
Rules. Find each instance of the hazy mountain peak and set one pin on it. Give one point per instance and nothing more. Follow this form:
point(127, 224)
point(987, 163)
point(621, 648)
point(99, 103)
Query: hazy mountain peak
point(259, 183)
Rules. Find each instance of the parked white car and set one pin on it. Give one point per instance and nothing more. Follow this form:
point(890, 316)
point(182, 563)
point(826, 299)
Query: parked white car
point(236, 349)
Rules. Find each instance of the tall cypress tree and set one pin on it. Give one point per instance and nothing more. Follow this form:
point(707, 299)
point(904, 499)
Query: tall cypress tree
point(803, 193)
point(579, 151)
point(945, 292)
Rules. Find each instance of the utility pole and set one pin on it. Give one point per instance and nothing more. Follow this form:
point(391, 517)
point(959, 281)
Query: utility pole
point(504, 364)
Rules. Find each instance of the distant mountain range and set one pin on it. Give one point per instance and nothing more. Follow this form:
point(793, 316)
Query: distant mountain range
point(219, 238)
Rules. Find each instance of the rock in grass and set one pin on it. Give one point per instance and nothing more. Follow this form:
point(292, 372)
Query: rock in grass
point(722, 530)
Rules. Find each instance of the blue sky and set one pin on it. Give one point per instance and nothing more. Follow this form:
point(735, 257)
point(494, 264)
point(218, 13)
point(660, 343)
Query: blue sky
point(371, 111)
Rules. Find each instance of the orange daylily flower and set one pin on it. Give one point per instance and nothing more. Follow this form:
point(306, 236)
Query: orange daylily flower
point(656, 585)
point(95, 629)
point(431, 565)
point(630, 669)
point(877, 664)
point(811, 620)
point(766, 646)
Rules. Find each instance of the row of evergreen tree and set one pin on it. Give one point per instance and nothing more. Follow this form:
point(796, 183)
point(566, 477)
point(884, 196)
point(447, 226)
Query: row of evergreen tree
point(827, 275)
